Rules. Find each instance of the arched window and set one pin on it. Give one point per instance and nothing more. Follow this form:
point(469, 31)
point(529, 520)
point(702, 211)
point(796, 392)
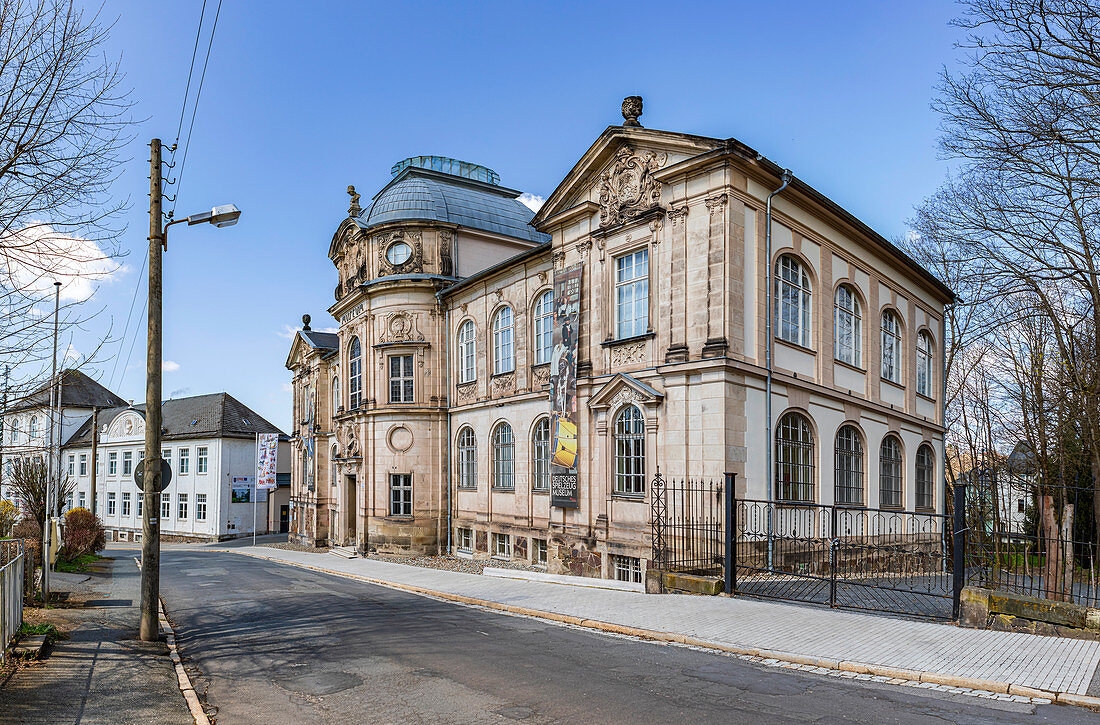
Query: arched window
point(335, 395)
point(889, 473)
point(925, 489)
point(355, 374)
point(504, 457)
point(924, 364)
point(792, 301)
point(504, 336)
point(15, 430)
point(849, 466)
point(540, 455)
point(544, 327)
point(848, 327)
point(467, 458)
point(332, 466)
point(891, 347)
point(630, 451)
point(794, 459)
point(32, 432)
point(467, 351)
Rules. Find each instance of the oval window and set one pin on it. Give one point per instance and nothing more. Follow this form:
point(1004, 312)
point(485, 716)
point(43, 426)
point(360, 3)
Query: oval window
point(398, 253)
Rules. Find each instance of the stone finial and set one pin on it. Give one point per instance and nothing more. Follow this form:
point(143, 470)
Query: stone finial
point(632, 108)
point(354, 210)
point(305, 323)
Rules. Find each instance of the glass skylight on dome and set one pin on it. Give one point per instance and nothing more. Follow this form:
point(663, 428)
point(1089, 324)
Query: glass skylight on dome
point(447, 165)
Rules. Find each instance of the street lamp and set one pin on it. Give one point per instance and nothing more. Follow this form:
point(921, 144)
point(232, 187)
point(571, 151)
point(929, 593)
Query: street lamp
point(220, 216)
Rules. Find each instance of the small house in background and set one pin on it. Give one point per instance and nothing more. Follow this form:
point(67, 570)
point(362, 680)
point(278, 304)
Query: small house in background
point(210, 443)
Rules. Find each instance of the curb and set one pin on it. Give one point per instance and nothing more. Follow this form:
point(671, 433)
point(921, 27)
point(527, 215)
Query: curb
point(936, 678)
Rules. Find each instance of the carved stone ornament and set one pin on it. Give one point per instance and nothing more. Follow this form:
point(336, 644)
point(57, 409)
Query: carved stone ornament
point(627, 187)
point(354, 210)
point(628, 354)
point(400, 327)
point(558, 259)
point(716, 203)
point(415, 262)
point(627, 395)
point(582, 249)
point(540, 377)
point(632, 108)
point(467, 393)
point(446, 265)
point(677, 215)
point(504, 384)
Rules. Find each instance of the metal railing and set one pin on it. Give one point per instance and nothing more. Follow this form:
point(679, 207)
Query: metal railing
point(688, 530)
point(11, 592)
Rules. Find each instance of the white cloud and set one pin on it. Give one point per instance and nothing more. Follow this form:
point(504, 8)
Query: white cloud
point(45, 256)
point(178, 392)
point(333, 330)
point(289, 331)
point(169, 366)
point(288, 388)
point(533, 202)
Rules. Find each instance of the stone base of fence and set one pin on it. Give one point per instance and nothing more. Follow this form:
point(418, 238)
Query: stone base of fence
point(673, 582)
point(989, 609)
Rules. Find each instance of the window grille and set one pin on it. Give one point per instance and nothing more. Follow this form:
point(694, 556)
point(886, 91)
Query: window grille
point(540, 551)
point(630, 452)
point(467, 458)
point(626, 568)
point(540, 451)
point(200, 507)
point(849, 466)
point(925, 489)
point(890, 473)
point(502, 545)
point(794, 459)
point(504, 457)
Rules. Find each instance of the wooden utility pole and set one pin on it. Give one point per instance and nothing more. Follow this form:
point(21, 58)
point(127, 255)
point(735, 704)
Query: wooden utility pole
point(95, 452)
point(150, 529)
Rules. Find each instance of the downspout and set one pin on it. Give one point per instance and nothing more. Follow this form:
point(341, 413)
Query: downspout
point(768, 292)
point(447, 448)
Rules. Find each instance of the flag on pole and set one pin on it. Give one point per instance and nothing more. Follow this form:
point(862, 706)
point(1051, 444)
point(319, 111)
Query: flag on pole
point(268, 449)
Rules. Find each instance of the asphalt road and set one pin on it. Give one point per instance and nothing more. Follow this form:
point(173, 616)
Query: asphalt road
point(271, 643)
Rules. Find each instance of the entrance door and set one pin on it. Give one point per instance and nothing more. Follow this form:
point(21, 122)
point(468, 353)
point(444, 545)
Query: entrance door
point(349, 509)
point(284, 519)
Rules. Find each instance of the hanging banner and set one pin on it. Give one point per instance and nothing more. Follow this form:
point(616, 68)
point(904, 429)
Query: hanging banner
point(564, 483)
point(267, 452)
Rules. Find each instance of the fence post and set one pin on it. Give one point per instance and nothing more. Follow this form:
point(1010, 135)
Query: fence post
point(832, 556)
point(731, 539)
point(958, 553)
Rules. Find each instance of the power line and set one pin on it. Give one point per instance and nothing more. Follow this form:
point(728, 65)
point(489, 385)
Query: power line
point(195, 105)
point(190, 73)
point(123, 378)
point(126, 328)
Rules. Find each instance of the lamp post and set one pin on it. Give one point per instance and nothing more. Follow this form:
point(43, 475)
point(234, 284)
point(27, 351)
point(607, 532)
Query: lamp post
point(219, 216)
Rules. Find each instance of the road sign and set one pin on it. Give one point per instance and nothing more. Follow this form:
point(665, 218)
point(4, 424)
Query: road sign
point(165, 474)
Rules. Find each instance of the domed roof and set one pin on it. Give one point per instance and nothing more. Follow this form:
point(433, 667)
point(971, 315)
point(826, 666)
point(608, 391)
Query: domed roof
point(469, 196)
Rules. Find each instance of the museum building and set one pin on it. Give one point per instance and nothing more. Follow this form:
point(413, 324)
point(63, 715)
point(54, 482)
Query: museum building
point(424, 423)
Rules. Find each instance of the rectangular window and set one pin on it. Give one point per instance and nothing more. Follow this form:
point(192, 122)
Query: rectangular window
point(632, 294)
point(110, 504)
point(626, 568)
point(400, 494)
point(166, 454)
point(200, 507)
point(81, 499)
point(72, 465)
point(165, 506)
point(127, 463)
point(540, 551)
point(465, 539)
point(125, 504)
point(1020, 506)
point(140, 507)
point(181, 507)
point(502, 545)
point(401, 378)
point(185, 461)
point(202, 462)
point(69, 502)
point(83, 464)
point(112, 464)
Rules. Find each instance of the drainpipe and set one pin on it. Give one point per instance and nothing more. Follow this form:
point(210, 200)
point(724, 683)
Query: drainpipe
point(447, 448)
point(769, 294)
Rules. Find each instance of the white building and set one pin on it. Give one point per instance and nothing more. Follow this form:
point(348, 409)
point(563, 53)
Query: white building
point(25, 429)
point(210, 443)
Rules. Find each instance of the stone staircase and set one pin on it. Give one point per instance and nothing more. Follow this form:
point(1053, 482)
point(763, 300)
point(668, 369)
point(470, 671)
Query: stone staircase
point(344, 552)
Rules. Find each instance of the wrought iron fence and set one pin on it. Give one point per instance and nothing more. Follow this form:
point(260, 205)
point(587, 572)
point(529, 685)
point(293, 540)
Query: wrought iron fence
point(1031, 540)
point(11, 591)
point(688, 533)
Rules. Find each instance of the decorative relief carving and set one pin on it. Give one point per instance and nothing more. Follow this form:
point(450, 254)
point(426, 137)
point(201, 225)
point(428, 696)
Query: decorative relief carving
point(627, 187)
point(400, 439)
point(540, 377)
point(467, 393)
point(504, 384)
point(400, 327)
point(628, 354)
point(627, 395)
point(446, 266)
point(678, 215)
point(716, 203)
point(583, 247)
point(558, 258)
point(354, 210)
point(415, 262)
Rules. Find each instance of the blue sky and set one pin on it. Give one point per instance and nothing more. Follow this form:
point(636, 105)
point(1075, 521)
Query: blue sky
point(302, 99)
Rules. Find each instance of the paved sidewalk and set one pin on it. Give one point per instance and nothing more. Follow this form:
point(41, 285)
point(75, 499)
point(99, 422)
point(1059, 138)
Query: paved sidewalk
point(102, 673)
point(1052, 664)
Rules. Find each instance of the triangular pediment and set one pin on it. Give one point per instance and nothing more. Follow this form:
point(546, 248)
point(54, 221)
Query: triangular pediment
point(129, 425)
point(623, 388)
point(613, 179)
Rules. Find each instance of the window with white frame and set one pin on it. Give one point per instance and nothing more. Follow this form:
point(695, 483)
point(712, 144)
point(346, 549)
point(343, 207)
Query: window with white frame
point(125, 504)
point(400, 494)
point(540, 455)
point(335, 396)
point(127, 463)
point(849, 467)
point(626, 568)
point(165, 506)
point(848, 327)
point(504, 341)
point(924, 364)
point(184, 461)
point(925, 489)
point(112, 464)
point(81, 500)
point(69, 502)
point(889, 476)
point(401, 378)
point(32, 432)
point(83, 464)
point(891, 347)
point(632, 294)
point(502, 545)
point(140, 506)
point(544, 327)
point(111, 503)
point(629, 432)
point(465, 540)
point(355, 374)
point(467, 458)
point(794, 459)
point(200, 507)
point(202, 462)
point(467, 352)
point(504, 457)
point(792, 301)
point(72, 464)
point(539, 551)
point(181, 506)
